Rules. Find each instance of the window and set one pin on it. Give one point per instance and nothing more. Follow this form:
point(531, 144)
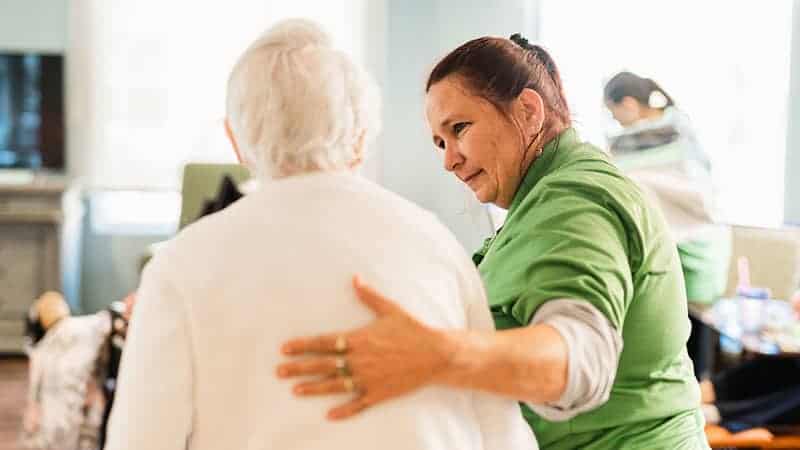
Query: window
point(726, 64)
point(149, 80)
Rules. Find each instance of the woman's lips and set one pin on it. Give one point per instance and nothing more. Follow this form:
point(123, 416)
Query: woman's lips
point(468, 180)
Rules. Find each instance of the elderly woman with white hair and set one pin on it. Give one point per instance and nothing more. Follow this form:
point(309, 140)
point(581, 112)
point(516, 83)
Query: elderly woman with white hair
point(215, 302)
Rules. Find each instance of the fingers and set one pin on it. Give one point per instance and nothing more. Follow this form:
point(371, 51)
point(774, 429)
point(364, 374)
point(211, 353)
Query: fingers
point(379, 304)
point(326, 386)
point(328, 343)
point(314, 366)
point(349, 409)
point(318, 344)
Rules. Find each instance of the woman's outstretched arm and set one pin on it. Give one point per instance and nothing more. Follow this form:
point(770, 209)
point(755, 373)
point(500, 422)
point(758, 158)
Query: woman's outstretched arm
point(397, 354)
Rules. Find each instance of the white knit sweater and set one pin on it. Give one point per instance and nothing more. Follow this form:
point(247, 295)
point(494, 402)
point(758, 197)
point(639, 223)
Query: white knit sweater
point(198, 370)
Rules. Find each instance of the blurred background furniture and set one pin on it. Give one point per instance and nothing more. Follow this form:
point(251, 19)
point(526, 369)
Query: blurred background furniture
point(774, 255)
point(201, 182)
point(774, 263)
point(39, 240)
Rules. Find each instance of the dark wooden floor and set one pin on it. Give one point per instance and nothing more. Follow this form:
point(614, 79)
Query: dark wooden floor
point(13, 385)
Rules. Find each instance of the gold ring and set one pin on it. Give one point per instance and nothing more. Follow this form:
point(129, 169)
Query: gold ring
point(342, 368)
point(349, 384)
point(341, 344)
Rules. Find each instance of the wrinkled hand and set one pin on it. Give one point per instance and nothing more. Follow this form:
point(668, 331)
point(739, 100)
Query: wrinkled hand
point(390, 357)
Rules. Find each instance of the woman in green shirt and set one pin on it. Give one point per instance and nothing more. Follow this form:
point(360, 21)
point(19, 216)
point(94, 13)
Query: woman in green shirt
point(583, 280)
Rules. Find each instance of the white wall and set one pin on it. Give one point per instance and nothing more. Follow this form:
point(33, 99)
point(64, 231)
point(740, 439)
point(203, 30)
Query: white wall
point(375, 59)
point(792, 173)
point(34, 25)
point(419, 32)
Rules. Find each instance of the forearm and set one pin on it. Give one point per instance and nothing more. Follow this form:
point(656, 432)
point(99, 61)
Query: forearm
point(527, 364)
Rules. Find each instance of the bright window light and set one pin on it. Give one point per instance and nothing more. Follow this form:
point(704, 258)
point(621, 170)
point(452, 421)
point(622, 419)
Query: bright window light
point(156, 75)
point(726, 64)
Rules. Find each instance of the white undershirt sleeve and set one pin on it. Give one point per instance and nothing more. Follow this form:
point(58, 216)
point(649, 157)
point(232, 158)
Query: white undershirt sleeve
point(594, 348)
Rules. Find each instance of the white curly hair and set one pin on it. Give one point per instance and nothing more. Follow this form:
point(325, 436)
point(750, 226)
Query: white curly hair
point(295, 104)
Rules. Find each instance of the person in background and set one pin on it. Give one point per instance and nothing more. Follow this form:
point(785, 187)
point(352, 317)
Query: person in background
point(649, 119)
point(215, 302)
point(67, 374)
point(659, 150)
point(583, 279)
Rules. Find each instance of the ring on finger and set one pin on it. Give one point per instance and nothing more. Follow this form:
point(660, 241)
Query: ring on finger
point(341, 344)
point(342, 367)
point(349, 384)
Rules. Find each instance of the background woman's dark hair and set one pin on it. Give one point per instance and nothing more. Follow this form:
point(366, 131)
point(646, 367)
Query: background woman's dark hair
point(499, 69)
point(34, 331)
point(627, 84)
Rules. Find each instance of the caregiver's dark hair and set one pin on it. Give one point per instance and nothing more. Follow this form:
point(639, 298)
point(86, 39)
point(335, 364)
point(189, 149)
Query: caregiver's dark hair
point(499, 69)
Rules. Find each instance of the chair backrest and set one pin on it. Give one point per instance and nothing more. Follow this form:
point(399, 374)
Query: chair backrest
point(201, 182)
point(774, 255)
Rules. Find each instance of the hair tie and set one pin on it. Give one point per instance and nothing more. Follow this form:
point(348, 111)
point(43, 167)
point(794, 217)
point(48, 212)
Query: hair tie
point(521, 41)
point(536, 51)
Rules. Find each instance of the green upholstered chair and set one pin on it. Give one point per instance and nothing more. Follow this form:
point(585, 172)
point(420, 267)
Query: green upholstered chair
point(200, 183)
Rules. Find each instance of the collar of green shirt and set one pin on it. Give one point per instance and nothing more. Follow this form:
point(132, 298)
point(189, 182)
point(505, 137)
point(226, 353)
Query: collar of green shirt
point(542, 165)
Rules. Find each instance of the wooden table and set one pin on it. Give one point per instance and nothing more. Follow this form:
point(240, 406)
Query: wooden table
point(720, 438)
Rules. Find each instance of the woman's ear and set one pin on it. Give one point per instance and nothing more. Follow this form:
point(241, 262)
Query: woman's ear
point(532, 110)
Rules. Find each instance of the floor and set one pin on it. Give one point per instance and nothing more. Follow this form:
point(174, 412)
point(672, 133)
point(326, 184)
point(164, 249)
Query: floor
point(13, 380)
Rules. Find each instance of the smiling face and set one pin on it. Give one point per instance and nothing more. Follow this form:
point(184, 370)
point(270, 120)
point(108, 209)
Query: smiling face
point(481, 145)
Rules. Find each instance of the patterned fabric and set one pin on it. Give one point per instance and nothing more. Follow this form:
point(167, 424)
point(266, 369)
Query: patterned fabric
point(64, 403)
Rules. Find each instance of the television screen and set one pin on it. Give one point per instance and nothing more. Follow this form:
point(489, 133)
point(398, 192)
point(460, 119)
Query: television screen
point(31, 111)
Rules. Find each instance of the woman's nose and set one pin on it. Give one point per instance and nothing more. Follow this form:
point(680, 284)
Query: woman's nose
point(452, 159)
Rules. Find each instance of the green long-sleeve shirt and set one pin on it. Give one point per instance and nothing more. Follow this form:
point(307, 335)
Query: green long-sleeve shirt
point(579, 229)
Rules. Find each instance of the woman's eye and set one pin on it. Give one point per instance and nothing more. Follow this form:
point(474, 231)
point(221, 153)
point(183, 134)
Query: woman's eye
point(440, 144)
point(459, 127)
